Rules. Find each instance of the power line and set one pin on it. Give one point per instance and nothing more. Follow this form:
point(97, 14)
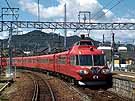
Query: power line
point(102, 9)
point(10, 8)
point(110, 9)
point(7, 3)
point(38, 12)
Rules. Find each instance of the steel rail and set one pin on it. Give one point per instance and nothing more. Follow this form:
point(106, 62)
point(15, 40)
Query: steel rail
point(36, 91)
point(84, 97)
point(51, 91)
point(36, 86)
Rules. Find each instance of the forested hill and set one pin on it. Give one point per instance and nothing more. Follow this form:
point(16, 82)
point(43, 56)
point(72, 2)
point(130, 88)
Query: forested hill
point(37, 40)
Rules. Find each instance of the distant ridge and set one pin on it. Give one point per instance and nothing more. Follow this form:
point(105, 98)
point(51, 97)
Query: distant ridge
point(40, 40)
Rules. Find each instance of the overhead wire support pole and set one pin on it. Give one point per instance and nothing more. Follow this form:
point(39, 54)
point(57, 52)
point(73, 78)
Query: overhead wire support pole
point(112, 52)
point(13, 16)
point(65, 29)
point(38, 12)
point(9, 68)
point(12, 9)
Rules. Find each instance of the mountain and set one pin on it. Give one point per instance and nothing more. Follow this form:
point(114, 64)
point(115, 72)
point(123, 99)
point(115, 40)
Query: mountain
point(39, 41)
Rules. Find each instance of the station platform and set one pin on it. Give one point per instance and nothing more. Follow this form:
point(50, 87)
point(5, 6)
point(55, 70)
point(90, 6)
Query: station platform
point(124, 84)
point(124, 75)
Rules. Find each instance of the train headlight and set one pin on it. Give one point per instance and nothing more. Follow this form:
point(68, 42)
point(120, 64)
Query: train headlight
point(105, 71)
point(83, 72)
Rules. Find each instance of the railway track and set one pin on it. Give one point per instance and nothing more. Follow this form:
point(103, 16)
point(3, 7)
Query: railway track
point(95, 93)
point(36, 91)
point(102, 95)
point(42, 90)
point(84, 97)
point(88, 94)
point(39, 90)
point(76, 94)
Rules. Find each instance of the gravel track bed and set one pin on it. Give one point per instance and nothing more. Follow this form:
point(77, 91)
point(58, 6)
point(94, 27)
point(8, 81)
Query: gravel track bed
point(22, 90)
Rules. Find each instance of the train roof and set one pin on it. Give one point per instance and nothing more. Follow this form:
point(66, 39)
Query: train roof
point(84, 42)
point(62, 53)
point(29, 57)
point(48, 55)
point(85, 49)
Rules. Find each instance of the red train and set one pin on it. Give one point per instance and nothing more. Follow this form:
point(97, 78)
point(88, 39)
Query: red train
point(83, 63)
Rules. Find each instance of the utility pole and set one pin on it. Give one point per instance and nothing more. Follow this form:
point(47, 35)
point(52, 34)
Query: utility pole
point(112, 52)
point(9, 68)
point(38, 12)
point(12, 14)
point(65, 30)
point(1, 57)
point(103, 39)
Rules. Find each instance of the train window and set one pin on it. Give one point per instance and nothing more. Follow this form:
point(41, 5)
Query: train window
point(85, 60)
point(62, 60)
point(29, 61)
point(33, 61)
point(51, 61)
point(86, 43)
point(99, 60)
point(77, 60)
point(18, 61)
point(13, 60)
point(43, 60)
point(74, 60)
point(24, 61)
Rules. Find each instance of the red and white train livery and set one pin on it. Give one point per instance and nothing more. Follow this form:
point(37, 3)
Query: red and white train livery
point(83, 63)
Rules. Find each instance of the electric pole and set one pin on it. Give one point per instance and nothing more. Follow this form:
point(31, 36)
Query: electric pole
point(103, 39)
point(112, 52)
point(12, 14)
point(65, 30)
point(38, 12)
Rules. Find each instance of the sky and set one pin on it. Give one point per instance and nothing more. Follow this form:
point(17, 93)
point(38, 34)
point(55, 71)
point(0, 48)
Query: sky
point(101, 11)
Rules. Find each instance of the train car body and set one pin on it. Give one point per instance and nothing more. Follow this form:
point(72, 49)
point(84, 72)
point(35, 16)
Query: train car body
point(83, 62)
point(88, 64)
point(46, 62)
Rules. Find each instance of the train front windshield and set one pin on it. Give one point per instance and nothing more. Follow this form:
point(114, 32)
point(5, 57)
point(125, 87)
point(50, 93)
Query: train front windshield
point(91, 60)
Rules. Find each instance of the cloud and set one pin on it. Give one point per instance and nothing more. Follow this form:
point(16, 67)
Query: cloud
point(32, 7)
point(124, 20)
point(73, 8)
point(4, 35)
point(98, 14)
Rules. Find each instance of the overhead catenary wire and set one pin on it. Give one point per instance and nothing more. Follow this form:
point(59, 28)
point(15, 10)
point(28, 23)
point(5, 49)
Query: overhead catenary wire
point(102, 9)
point(10, 8)
point(0, 12)
point(38, 12)
point(109, 9)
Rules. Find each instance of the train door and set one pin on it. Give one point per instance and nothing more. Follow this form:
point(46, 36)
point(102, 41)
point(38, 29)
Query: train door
point(54, 63)
point(68, 64)
point(57, 65)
